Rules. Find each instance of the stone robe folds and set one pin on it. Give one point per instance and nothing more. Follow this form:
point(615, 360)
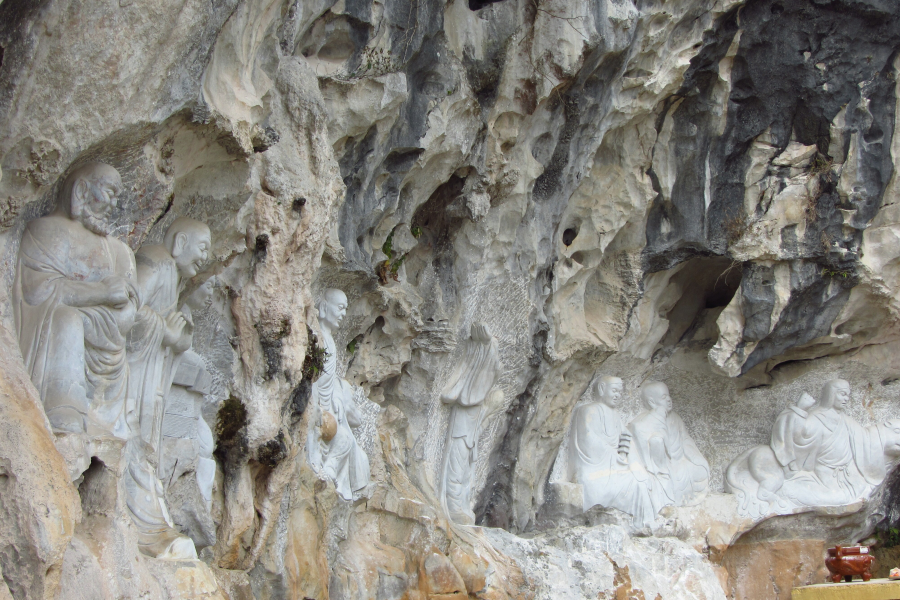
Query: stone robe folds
point(152, 364)
point(341, 458)
point(74, 365)
point(667, 451)
point(594, 463)
point(466, 390)
point(787, 427)
point(839, 460)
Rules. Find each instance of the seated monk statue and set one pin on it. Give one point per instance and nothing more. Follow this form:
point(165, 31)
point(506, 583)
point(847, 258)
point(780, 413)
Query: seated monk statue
point(838, 460)
point(331, 446)
point(74, 302)
point(159, 335)
point(667, 451)
point(818, 456)
point(599, 452)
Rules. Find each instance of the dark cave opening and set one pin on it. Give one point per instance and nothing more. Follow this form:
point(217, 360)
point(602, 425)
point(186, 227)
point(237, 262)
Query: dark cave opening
point(479, 4)
point(705, 286)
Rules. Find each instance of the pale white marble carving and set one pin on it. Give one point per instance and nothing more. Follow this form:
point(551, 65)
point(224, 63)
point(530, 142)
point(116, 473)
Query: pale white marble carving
point(818, 456)
point(159, 335)
point(187, 438)
point(77, 296)
point(667, 451)
point(74, 302)
point(470, 392)
point(639, 469)
point(156, 344)
point(145, 500)
point(332, 448)
point(600, 457)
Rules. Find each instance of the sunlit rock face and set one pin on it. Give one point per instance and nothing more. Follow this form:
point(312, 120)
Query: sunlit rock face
point(696, 193)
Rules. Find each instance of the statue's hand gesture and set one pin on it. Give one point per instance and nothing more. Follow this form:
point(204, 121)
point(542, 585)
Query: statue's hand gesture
point(624, 448)
point(175, 323)
point(118, 291)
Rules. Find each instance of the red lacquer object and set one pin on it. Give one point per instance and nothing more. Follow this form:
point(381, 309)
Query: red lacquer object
point(849, 561)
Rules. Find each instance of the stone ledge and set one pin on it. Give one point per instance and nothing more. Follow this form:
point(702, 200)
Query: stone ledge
point(875, 589)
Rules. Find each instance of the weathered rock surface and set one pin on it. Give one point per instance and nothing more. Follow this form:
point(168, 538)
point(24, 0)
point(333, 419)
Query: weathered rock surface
point(700, 193)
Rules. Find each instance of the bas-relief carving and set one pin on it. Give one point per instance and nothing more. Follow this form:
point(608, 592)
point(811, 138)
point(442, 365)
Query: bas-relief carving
point(469, 392)
point(159, 335)
point(74, 302)
point(818, 456)
point(187, 440)
point(332, 448)
point(638, 469)
point(599, 449)
point(667, 451)
point(100, 334)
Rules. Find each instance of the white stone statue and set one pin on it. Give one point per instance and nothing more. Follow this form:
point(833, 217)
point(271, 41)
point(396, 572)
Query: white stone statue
point(667, 451)
point(155, 344)
point(818, 456)
point(469, 391)
point(145, 500)
point(600, 458)
point(187, 438)
point(332, 448)
point(159, 337)
point(74, 301)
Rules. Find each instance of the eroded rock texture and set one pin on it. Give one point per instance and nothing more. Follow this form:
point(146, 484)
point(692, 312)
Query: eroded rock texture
point(700, 193)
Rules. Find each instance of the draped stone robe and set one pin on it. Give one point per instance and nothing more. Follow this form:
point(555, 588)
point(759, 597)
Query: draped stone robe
point(341, 458)
point(667, 451)
point(152, 364)
point(466, 390)
point(594, 463)
point(839, 460)
point(74, 355)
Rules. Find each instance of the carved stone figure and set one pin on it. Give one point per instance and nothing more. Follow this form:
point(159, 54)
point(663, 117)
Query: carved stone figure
point(155, 343)
point(187, 465)
point(600, 457)
point(145, 500)
point(789, 425)
point(469, 392)
point(74, 301)
point(824, 458)
point(666, 450)
point(331, 446)
point(158, 336)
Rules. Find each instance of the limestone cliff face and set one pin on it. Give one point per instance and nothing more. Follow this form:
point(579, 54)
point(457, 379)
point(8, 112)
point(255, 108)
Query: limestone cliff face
point(702, 193)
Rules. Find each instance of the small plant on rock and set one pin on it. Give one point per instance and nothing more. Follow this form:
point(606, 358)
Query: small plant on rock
point(390, 268)
point(314, 362)
point(735, 226)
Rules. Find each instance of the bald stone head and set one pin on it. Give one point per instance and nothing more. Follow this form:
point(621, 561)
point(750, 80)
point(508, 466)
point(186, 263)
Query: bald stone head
point(836, 395)
point(89, 194)
point(188, 241)
point(656, 396)
point(608, 390)
point(332, 308)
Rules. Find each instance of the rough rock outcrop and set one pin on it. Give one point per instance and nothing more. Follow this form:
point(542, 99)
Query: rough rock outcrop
point(699, 193)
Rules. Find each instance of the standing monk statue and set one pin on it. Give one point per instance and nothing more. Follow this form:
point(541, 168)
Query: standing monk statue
point(74, 301)
point(468, 391)
point(331, 446)
point(159, 335)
